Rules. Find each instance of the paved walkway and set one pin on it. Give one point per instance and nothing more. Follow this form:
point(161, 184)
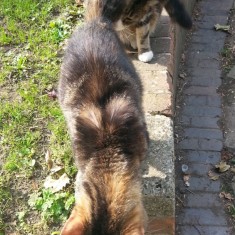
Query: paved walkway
point(199, 208)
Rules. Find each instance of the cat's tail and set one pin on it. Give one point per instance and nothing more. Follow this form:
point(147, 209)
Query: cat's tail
point(109, 9)
point(117, 126)
point(178, 13)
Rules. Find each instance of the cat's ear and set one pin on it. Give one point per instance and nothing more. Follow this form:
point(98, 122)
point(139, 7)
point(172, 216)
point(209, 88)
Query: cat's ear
point(73, 225)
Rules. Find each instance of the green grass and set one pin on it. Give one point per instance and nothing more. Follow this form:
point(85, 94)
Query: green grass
point(53, 207)
point(32, 34)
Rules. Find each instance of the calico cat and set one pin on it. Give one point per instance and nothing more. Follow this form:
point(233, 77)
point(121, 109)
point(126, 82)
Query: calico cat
point(138, 20)
point(100, 95)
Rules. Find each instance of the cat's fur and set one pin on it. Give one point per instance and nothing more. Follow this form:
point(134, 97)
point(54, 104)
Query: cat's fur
point(101, 97)
point(138, 20)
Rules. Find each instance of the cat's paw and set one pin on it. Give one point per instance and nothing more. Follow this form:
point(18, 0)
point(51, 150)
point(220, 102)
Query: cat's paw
point(146, 56)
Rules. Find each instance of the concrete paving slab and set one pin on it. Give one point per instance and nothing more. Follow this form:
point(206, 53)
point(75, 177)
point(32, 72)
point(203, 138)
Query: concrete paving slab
point(158, 169)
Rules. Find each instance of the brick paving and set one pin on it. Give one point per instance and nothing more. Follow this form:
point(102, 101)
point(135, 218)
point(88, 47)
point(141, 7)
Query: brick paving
point(199, 208)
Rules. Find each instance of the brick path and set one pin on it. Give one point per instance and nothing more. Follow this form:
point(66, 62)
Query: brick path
point(200, 210)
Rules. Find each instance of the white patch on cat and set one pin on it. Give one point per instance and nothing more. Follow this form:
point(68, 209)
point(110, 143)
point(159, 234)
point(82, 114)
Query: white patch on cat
point(119, 25)
point(146, 56)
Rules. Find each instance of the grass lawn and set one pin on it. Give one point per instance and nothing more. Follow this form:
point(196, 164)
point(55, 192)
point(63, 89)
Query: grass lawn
point(33, 134)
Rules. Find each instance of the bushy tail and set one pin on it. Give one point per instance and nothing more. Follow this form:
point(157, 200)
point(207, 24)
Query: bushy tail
point(116, 126)
point(108, 9)
point(178, 13)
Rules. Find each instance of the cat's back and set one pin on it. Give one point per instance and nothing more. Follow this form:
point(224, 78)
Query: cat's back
point(94, 43)
point(95, 65)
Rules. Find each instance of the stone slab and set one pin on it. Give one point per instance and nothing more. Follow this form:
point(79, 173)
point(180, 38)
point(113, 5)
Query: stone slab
point(202, 216)
point(158, 103)
point(198, 229)
point(156, 82)
point(205, 157)
point(158, 169)
point(203, 200)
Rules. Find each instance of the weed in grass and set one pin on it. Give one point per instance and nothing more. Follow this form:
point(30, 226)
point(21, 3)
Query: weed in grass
point(60, 30)
point(21, 216)
point(225, 52)
point(231, 209)
point(54, 207)
point(20, 62)
point(227, 57)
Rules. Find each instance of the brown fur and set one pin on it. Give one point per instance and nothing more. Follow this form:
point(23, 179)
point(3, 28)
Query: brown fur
point(159, 226)
point(101, 97)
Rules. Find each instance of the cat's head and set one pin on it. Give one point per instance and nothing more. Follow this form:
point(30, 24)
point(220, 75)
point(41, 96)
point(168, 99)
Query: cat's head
point(112, 10)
